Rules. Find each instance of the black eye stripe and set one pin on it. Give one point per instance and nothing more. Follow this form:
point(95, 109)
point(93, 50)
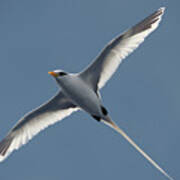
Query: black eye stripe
point(62, 73)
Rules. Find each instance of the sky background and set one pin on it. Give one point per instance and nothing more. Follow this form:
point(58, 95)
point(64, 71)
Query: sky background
point(143, 97)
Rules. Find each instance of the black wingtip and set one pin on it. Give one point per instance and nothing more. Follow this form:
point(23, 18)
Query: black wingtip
point(4, 145)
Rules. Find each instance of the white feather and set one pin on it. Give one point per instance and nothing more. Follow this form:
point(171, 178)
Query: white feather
point(104, 66)
point(21, 134)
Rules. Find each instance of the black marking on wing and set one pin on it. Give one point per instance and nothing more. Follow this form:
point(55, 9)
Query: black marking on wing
point(96, 118)
point(104, 111)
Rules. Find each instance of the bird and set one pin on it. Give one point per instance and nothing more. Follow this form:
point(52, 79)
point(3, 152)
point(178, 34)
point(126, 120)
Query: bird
point(81, 91)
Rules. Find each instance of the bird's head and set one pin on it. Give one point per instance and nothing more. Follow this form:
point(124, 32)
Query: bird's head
point(58, 73)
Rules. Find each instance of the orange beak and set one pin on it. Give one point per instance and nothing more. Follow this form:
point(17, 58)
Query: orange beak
point(53, 74)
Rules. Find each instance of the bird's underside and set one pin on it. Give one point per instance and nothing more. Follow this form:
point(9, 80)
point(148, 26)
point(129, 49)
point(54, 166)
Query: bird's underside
point(81, 91)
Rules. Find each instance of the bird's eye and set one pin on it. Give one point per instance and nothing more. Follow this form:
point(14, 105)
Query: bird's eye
point(62, 74)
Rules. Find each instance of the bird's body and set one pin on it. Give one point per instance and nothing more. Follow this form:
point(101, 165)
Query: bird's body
point(81, 91)
point(81, 94)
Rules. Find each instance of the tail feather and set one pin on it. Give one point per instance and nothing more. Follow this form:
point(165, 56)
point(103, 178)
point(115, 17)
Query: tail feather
point(111, 124)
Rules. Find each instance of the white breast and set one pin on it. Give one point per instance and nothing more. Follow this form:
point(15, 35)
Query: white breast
point(81, 94)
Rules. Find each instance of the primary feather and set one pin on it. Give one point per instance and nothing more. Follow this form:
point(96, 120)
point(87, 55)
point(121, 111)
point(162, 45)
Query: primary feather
point(31, 124)
point(104, 66)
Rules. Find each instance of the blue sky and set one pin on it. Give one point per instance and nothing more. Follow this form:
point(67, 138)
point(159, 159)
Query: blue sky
point(142, 97)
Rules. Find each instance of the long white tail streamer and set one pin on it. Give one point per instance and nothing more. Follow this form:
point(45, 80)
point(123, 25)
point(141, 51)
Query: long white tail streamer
point(120, 131)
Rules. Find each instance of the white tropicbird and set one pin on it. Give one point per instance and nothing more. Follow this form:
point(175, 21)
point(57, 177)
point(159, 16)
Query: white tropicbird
point(81, 91)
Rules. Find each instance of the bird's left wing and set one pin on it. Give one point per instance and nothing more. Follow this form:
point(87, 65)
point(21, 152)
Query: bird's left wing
point(104, 66)
point(31, 124)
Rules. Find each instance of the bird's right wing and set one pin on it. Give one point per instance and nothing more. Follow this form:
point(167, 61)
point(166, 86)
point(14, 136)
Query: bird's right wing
point(31, 124)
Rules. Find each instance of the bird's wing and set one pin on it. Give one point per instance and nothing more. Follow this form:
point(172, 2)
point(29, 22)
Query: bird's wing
point(101, 70)
point(31, 124)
